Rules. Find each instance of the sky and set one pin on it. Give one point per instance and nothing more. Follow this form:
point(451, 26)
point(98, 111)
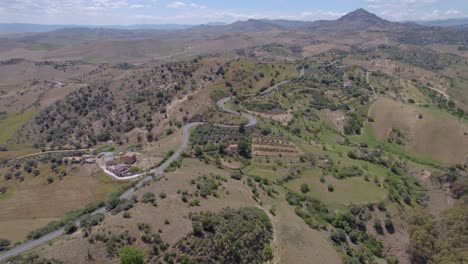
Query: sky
point(129, 12)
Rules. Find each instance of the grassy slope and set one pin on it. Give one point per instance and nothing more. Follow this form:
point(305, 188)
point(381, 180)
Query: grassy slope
point(438, 137)
point(12, 122)
point(351, 190)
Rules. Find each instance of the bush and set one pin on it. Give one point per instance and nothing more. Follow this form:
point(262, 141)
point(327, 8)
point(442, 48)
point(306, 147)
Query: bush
point(50, 179)
point(338, 236)
point(4, 244)
point(330, 188)
point(305, 188)
point(131, 255)
point(127, 215)
point(378, 225)
point(8, 176)
point(236, 175)
point(389, 225)
point(69, 228)
point(148, 197)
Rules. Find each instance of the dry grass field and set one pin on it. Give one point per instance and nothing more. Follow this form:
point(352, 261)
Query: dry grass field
point(298, 243)
point(431, 133)
point(33, 202)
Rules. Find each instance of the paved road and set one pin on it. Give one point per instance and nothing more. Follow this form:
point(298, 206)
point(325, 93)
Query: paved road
point(221, 104)
point(28, 245)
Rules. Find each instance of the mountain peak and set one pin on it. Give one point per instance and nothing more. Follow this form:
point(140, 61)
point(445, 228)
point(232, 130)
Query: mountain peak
point(361, 19)
point(360, 14)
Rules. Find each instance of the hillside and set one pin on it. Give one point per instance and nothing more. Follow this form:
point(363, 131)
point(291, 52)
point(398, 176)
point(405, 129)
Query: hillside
point(260, 141)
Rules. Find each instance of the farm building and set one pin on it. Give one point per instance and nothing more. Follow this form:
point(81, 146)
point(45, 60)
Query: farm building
point(233, 147)
point(129, 158)
point(119, 170)
point(90, 161)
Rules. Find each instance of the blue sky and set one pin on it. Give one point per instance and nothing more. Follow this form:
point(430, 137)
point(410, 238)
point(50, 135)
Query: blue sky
point(125, 12)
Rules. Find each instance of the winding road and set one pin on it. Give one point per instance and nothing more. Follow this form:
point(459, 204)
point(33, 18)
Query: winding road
point(30, 244)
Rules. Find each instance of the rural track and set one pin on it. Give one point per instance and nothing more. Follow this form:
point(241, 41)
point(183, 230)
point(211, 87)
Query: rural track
point(46, 152)
point(370, 84)
point(30, 244)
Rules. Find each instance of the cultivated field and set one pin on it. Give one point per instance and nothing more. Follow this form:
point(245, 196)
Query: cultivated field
point(274, 147)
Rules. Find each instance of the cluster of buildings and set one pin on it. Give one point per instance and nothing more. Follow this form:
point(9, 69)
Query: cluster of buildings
point(121, 170)
point(120, 166)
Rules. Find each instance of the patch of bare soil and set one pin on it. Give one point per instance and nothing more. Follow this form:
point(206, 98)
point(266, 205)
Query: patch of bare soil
point(395, 242)
point(336, 118)
point(439, 198)
point(231, 164)
point(284, 118)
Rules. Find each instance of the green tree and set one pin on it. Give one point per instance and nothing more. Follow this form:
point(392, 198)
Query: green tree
point(242, 129)
point(4, 244)
point(244, 149)
point(198, 151)
point(305, 188)
point(131, 255)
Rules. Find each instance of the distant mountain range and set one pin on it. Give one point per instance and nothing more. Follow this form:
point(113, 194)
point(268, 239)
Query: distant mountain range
point(357, 20)
point(21, 28)
point(456, 23)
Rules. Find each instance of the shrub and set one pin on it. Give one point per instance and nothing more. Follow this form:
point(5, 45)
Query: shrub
point(305, 188)
point(148, 197)
point(338, 236)
point(378, 225)
point(69, 228)
point(127, 215)
point(131, 255)
point(389, 225)
point(330, 188)
point(4, 244)
point(50, 179)
point(8, 176)
point(236, 175)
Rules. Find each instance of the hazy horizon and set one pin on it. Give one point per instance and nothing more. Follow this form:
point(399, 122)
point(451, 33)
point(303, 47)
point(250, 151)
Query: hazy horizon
point(195, 12)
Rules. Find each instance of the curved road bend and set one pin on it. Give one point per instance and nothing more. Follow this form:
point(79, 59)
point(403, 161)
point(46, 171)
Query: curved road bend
point(30, 244)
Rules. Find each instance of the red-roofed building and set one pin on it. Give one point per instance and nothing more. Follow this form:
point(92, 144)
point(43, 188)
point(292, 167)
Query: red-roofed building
point(129, 158)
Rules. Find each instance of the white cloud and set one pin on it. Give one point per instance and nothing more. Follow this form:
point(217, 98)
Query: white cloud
point(136, 6)
point(453, 12)
point(179, 4)
point(405, 10)
point(176, 5)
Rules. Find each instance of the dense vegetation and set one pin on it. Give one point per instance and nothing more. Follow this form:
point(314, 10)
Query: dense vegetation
point(441, 240)
point(107, 110)
point(230, 236)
